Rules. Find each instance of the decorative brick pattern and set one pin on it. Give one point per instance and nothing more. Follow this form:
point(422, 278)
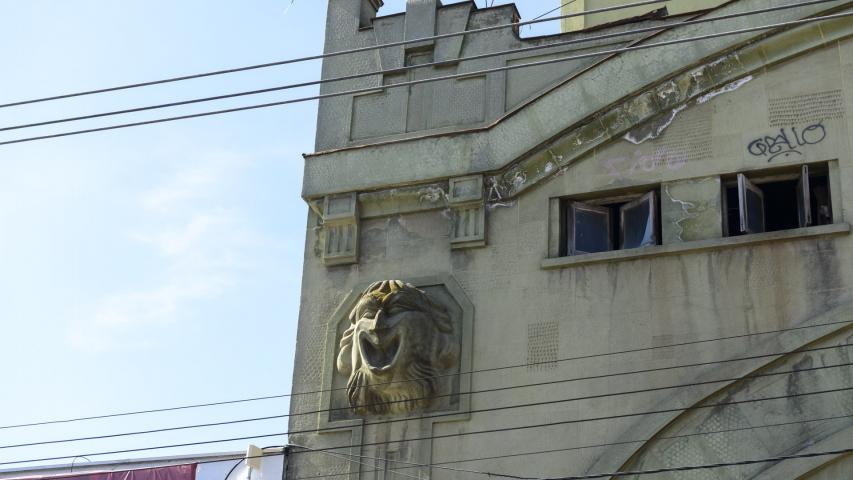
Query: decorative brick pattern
point(543, 345)
point(809, 108)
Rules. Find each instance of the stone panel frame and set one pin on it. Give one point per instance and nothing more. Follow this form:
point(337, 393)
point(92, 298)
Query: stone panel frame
point(356, 427)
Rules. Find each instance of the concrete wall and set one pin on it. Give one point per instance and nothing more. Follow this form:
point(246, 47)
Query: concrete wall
point(380, 114)
point(532, 308)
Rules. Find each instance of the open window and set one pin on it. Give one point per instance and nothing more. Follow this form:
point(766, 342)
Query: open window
point(776, 200)
point(590, 228)
point(614, 223)
point(638, 222)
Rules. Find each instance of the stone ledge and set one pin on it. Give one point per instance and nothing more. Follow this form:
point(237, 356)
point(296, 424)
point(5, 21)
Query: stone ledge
point(696, 246)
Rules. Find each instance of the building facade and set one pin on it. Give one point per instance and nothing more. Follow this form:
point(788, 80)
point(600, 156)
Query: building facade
point(626, 257)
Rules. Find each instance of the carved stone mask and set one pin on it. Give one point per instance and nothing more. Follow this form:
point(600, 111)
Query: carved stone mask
point(397, 342)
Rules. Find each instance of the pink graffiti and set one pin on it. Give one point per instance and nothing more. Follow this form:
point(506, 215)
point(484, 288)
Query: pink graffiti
point(627, 167)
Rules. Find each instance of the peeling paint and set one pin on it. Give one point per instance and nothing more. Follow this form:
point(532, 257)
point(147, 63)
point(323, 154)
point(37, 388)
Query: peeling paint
point(727, 88)
point(492, 206)
point(654, 128)
point(669, 88)
point(686, 207)
point(431, 194)
point(518, 179)
point(494, 192)
point(721, 60)
point(697, 74)
point(558, 159)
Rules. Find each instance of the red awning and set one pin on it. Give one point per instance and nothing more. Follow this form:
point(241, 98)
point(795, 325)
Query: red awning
point(172, 472)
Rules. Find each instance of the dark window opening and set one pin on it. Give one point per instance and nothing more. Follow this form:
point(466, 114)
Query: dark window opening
point(758, 204)
point(601, 225)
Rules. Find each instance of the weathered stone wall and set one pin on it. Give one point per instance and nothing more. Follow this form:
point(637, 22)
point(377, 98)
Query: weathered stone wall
point(525, 313)
point(441, 106)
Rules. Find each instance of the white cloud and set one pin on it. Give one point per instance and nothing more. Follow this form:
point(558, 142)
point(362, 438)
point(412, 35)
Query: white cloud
point(205, 247)
point(193, 184)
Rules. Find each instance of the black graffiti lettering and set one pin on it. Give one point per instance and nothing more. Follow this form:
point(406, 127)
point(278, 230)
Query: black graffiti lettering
point(813, 134)
point(757, 147)
point(772, 146)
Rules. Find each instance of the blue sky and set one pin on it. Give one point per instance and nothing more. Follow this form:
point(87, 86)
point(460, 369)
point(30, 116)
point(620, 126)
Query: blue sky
point(160, 265)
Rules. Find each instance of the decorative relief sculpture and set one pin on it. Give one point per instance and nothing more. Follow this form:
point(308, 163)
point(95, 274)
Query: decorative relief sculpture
point(398, 341)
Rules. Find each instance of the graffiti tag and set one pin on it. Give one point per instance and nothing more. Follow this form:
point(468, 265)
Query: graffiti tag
point(788, 142)
point(622, 167)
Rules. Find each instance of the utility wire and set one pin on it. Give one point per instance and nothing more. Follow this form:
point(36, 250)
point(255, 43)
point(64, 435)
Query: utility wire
point(436, 79)
point(473, 371)
point(705, 466)
point(585, 447)
point(409, 67)
point(352, 459)
point(615, 474)
point(434, 437)
point(569, 422)
point(325, 55)
point(549, 12)
point(491, 390)
point(518, 454)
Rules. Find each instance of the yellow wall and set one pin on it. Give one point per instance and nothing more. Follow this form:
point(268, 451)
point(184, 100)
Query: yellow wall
point(577, 23)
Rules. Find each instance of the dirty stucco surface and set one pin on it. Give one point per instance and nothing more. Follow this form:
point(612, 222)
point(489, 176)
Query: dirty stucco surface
point(620, 305)
point(464, 153)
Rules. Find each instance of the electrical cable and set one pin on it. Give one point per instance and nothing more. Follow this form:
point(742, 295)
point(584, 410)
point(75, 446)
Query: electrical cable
point(326, 55)
point(483, 370)
point(239, 462)
point(585, 447)
point(549, 12)
point(492, 390)
point(408, 67)
point(580, 420)
point(538, 452)
point(705, 466)
point(434, 437)
point(629, 472)
point(350, 458)
point(433, 79)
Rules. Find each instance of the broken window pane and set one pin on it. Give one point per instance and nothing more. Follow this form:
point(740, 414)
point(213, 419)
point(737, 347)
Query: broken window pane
point(751, 206)
point(638, 221)
point(590, 229)
point(804, 209)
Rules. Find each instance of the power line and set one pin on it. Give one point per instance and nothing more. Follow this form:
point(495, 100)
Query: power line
point(325, 55)
point(585, 447)
point(352, 459)
point(409, 67)
point(554, 9)
point(566, 422)
point(705, 466)
point(483, 370)
point(504, 429)
point(612, 474)
point(434, 79)
point(491, 390)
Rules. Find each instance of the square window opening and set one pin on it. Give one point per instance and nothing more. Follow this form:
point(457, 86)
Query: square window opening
point(758, 203)
point(614, 223)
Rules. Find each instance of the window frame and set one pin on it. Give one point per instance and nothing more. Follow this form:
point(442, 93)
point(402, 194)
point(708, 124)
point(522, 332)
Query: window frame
point(804, 198)
point(744, 187)
point(572, 207)
point(654, 218)
point(806, 175)
point(606, 205)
